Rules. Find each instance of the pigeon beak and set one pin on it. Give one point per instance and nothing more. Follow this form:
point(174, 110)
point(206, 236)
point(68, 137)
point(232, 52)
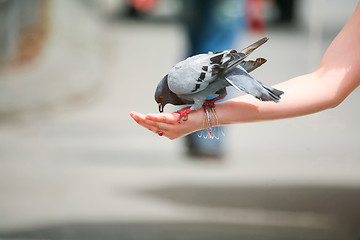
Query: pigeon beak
point(161, 107)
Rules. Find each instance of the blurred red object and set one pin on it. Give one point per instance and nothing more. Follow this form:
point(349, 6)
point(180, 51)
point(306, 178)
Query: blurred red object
point(143, 5)
point(254, 15)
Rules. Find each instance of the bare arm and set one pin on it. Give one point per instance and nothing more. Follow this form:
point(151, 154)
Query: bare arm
point(337, 75)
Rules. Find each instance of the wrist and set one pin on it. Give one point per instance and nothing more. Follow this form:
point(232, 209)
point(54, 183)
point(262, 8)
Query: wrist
point(196, 120)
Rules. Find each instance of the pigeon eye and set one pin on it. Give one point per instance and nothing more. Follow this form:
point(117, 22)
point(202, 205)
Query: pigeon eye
point(161, 97)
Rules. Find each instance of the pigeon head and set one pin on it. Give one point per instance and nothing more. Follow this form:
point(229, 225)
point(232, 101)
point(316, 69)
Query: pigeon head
point(163, 95)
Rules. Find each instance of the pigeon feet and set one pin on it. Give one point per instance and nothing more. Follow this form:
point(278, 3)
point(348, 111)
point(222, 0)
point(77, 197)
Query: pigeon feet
point(211, 102)
point(183, 114)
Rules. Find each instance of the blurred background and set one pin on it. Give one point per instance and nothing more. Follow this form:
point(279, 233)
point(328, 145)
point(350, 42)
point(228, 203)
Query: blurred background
point(74, 165)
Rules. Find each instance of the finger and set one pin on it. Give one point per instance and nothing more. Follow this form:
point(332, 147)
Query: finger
point(169, 118)
point(137, 116)
point(148, 124)
point(142, 119)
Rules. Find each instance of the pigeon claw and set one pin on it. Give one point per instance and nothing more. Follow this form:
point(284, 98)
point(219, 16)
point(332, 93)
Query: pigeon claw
point(183, 114)
point(211, 102)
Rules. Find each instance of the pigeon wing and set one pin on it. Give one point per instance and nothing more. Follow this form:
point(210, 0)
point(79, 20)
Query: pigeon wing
point(251, 65)
point(241, 80)
point(225, 62)
point(249, 49)
point(192, 75)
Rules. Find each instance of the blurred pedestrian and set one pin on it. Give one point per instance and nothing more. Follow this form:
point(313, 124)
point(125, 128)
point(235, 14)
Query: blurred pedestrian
point(211, 26)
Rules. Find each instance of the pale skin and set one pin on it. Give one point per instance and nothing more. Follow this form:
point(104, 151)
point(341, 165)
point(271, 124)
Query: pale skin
point(337, 75)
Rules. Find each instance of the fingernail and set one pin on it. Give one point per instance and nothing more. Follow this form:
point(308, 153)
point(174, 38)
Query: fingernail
point(134, 116)
point(148, 117)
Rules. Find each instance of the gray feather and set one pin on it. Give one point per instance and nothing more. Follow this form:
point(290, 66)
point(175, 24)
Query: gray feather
point(249, 49)
point(243, 81)
point(250, 65)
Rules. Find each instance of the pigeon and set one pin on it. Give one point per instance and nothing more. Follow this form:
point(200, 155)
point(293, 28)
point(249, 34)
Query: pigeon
point(192, 80)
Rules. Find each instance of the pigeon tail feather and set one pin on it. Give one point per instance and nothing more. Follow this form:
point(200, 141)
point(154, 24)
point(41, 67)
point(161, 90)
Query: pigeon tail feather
point(272, 94)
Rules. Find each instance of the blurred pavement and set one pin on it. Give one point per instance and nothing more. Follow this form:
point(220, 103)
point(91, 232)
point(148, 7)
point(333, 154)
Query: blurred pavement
point(87, 171)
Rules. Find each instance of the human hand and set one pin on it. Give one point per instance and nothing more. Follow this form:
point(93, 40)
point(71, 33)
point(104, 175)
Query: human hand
point(167, 123)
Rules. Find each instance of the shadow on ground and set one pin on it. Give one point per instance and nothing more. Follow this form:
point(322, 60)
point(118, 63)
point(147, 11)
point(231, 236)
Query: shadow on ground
point(340, 204)
point(339, 201)
point(168, 231)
